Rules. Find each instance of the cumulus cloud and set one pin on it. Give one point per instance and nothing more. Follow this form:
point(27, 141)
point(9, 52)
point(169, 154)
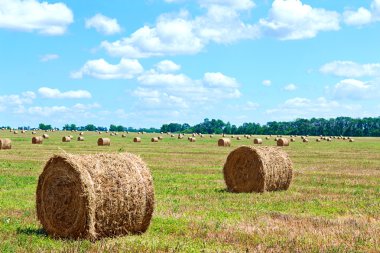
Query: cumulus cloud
point(351, 69)
point(180, 34)
point(32, 15)
point(49, 57)
point(125, 69)
point(56, 93)
point(167, 66)
point(356, 89)
point(16, 102)
point(290, 87)
point(220, 80)
point(103, 24)
point(267, 83)
point(292, 20)
point(363, 16)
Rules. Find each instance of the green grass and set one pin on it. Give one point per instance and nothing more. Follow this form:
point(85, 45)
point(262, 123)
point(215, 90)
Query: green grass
point(333, 204)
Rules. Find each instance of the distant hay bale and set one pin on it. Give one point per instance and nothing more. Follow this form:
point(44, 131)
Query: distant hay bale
point(45, 136)
point(276, 139)
point(238, 138)
point(95, 196)
point(292, 140)
point(99, 132)
point(257, 169)
point(154, 139)
point(104, 142)
point(37, 140)
point(305, 140)
point(23, 131)
point(123, 135)
point(282, 142)
point(160, 138)
point(328, 139)
point(5, 144)
point(344, 138)
point(137, 139)
point(15, 132)
point(192, 139)
point(172, 135)
point(34, 132)
point(318, 140)
point(267, 138)
point(80, 138)
point(211, 136)
point(232, 136)
point(180, 136)
point(257, 141)
point(66, 139)
point(224, 142)
point(302, 137)
point(81, 133)
point(351, 140)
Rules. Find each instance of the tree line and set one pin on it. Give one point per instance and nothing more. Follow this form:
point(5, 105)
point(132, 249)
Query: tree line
point(345, 126)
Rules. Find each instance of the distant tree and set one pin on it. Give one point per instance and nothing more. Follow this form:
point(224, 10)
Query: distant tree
point(44, 127)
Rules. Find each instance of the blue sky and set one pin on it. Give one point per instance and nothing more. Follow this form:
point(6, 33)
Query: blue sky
point(145, 63)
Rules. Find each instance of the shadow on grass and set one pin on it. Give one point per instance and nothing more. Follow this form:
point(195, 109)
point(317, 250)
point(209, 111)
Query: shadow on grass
point(224, 190)
point(31, 231)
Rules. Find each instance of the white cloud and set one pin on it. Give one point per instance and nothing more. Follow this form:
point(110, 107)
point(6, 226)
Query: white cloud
point(49, 57)
point(47, 110)
point(292, 20)
point(351, 69)
point(103, 24)
point(31, 15)
point(363, 16)
point(290, 87)
point(85, 107)
point(16, 102)
point(126, 69)
point(179, 34)
point(233, 4)
point(267, 83)
point(220, 80)
point(250, 106)
point(55, 93)
point(167, 66)
point(356, 89)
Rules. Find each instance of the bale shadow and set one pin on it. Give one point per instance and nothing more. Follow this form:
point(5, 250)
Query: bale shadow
point(31, 231)
point(224, 190)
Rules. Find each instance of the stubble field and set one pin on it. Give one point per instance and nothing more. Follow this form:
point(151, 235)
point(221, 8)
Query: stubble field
point(332, 205)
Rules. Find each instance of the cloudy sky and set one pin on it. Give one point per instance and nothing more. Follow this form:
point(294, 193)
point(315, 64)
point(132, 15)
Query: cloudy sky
point(148, 62)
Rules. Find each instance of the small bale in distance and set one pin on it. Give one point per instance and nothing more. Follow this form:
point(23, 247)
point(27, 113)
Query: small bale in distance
point(104, 142)
point(37, 140)
point(192, 139)
point(257, 169)
point(257, 141)
point(238, 138)
point(351, 140)
point(5, 144)
point(305, 140)
point(154, 139)
point(80, 138)
point(137, 139)
point(45, 136)
point(282, 142)
point(224, 142)
point(292, 140)
point(160, 138)
point(95, 196)
point(66, 139)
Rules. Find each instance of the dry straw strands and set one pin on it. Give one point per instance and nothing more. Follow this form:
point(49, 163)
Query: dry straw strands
point(5, 144)
point(224, 142)
point(95, 196)
point(104, 142)
point(154, 139)
point(257, 169)
point(257, 141)
point(80, 138)
point(282, 142)
point(37, 140)
point(66, 139)
point(137, 139)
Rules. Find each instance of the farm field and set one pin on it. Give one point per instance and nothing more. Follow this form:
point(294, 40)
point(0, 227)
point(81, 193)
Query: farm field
point(332, 205)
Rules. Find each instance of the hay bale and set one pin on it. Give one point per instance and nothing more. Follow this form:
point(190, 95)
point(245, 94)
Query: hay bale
point(305, 140)
point(137, 139)
point(192, 139)
point(95, 196)
point(248, 137)
point(37, 140)
point(238, 138)
point(104, 142)
point(5, 144)
point(257, 169)
point(276, 139)
point(292, 140)
point(282, 142)
point(257, 141)
point(154, 139)
point(66, 139)
point(318, 140)
point(172, 135)
point(80, 138)
point(160, 138)
point(34, 132)
point(211, 136)
point(224, 142)
point(328, 139)
point(180, 136)
point(123, 135)
point(81, 133)
point(351, 140)
point(45, 136)
point(15, 132)
point(267, 138)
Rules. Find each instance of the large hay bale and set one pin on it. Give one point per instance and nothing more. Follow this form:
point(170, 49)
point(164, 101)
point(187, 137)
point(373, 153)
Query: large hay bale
point(257, 169)
point(224, 142)
point(95, 196)
point(80, 138)
point(37, 140)
point(104, 142)
point(5, 144)
point(154, 139)
point(66, 139)
point(45, 136)
point(257, 141)
point(137, 139)
point(282, 142)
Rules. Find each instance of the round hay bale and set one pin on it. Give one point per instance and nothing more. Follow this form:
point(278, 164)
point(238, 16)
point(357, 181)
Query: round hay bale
point(276, 139)
point(172, 135)
point(37, 140)
point(328, 139)
point(211, 136)
point(160, 138)
point(180, 136)
point(95, 196)
point(15, 132)
point(282, 142)
point(45, 136)
point(80, 138)
point(104, 142)
point(154, 139)
point(66, 139)
point(81, 133)
point(224, 142)
point(292, 140)
point(351, 140)
point(305, 140)
point(318, 140)
point(137, 139)
point(257, 169)
point(238, 138)
point(257, 141)
point(123, 135)
point(192, 139)
point(232, 136)
point(5, 144)
point(34, 132)
point(267, 138)
point(99, 132)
